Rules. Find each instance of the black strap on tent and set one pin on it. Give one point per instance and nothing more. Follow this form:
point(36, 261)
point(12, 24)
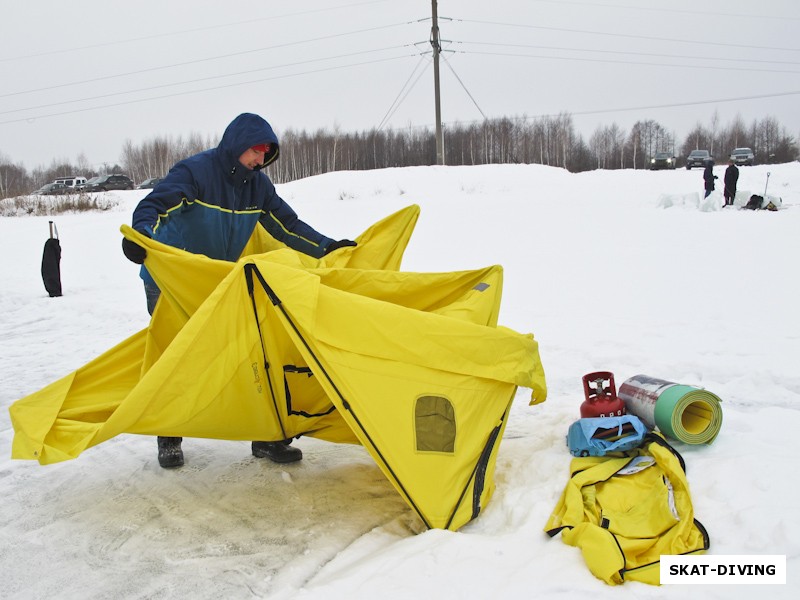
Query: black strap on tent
point(250, 270)
point(480, 471)
point(289, 409)
point(249, 280)
point(479, 474)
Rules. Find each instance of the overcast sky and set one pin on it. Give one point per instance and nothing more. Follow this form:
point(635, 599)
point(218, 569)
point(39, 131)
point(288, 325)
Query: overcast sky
point(82, 77)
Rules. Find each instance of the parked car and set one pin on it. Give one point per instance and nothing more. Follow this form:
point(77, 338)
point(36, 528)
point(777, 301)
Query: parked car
point(103, 183)
point(743, 156)
point(70, 181)
point(698, 158)
point(52, 189)
point(149, 184)
point(662, 160)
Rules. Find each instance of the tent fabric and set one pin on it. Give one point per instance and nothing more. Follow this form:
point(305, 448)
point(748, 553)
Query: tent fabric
point(381, 246)
point(345, 348)
point(83, 409)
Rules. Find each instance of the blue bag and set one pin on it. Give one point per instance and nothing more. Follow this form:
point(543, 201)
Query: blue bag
point(600, 435)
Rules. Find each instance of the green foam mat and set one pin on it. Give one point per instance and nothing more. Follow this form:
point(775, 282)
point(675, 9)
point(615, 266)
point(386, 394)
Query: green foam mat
point(690, 414)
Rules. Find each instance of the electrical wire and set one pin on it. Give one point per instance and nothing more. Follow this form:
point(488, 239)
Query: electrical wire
point(219, 87)
point(674, 10)
point(210, 78)
point(629, 62)
point(185, 31)
point(200, 60)
point(408, 91)
point(694, 57)
point(394, 102)
point(678, 104)
point(651, 106)
point(613, 110)
point(626, 35)
point(447, 62)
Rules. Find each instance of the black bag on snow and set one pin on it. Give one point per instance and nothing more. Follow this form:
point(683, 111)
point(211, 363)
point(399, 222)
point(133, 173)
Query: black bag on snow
point(51, 264)
point(755, 202)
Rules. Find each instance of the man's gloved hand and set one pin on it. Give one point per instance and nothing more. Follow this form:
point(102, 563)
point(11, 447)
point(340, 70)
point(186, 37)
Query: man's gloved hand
point(133, 251)
point(339, 244)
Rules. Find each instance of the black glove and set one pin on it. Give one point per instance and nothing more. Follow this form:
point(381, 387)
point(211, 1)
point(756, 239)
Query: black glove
point(133, 251)
point(339, 244)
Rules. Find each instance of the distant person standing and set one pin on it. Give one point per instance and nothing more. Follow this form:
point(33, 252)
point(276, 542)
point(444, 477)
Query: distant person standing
point(731, 178)
point(709, 177)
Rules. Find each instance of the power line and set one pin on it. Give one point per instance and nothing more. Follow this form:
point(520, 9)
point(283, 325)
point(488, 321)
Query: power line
point(694, 103)
point(404, 94)
point(447, 62)
point(200, 60)
point(627, 35)
point(219, 87)
point(210, 78)
point(628, 52)
point(698, 13)
point(395, 104)
point(185, 31)
point(628, 62)
point(654, 106)
point(408, 91)
point(613, 110)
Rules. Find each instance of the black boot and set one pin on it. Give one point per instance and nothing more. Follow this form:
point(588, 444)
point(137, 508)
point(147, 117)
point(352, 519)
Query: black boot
point(279, 452)
point(170, 454)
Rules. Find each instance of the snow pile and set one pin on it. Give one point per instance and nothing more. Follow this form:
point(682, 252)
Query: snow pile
point(594, 267)
point(690, 200)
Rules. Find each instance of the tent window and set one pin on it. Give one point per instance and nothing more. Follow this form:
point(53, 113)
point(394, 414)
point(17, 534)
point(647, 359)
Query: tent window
point(435, 424)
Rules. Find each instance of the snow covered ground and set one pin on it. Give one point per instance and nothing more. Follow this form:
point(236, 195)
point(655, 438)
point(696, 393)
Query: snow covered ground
point(596, 267)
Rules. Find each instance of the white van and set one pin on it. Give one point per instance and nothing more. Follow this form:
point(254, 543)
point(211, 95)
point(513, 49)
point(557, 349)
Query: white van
point(72, 182)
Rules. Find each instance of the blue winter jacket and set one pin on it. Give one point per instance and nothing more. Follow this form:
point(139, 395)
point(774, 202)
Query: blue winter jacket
point(209, 203)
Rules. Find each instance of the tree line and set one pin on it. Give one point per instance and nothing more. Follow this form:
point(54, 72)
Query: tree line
point(548, 140)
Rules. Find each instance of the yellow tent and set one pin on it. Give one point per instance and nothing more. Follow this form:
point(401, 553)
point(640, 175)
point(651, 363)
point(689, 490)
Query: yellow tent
point(345, 348)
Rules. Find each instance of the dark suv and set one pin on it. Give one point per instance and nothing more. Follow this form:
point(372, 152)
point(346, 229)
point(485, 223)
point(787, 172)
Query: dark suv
point(697, 158)
point(662, 160)
point(103, 183)
point(743, 156)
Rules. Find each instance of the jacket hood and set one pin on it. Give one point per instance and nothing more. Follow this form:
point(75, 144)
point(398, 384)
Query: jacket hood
point(245, 131)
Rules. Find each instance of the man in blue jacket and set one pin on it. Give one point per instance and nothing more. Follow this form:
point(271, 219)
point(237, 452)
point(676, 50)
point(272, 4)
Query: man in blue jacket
point(210, 203)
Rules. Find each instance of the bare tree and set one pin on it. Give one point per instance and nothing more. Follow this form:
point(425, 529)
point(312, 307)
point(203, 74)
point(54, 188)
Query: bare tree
point(736, 133)
point(14, 180)
point(546, 140)
point(597, 146)
point(768, 134)
point(635, 141)
point(714, 128)
point(698, 138)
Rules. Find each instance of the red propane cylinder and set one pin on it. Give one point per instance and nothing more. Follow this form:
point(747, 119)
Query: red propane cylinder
point(601, 396)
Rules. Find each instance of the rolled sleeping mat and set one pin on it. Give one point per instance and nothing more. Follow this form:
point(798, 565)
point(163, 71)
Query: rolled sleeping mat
point(682, 412)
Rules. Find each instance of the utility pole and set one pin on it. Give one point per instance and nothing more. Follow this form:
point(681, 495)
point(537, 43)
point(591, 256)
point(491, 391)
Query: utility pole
point(436, 49)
